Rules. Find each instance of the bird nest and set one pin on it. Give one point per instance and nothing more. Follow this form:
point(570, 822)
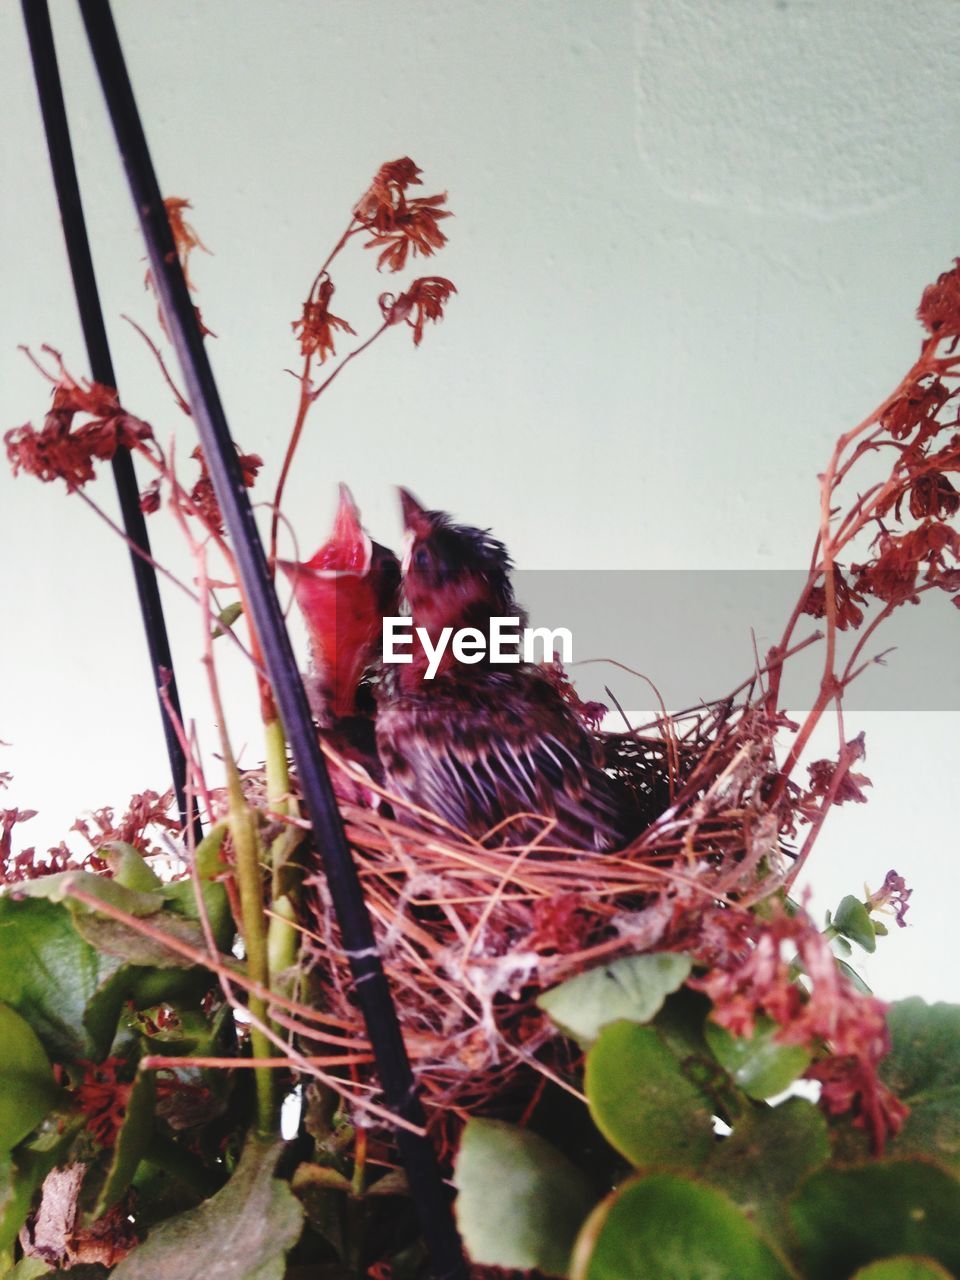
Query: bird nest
point(472, 931)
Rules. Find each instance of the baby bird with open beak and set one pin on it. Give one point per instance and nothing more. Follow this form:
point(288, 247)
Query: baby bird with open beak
point(343, 591)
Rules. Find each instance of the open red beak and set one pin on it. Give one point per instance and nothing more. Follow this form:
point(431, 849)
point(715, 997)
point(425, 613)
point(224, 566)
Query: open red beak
point(348, 535)
point(347, 550)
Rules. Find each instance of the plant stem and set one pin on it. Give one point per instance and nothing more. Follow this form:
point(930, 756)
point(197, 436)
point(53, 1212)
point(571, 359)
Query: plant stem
point(246, 847)
point(282, 938)
point(246, 850)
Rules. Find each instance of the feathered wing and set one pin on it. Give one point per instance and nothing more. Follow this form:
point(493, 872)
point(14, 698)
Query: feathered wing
point(480, 752)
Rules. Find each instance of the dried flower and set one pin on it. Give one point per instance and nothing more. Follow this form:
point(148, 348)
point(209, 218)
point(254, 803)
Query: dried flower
point(150, 498)
point(62, 451)
point(847, 597)
point(146, 810)
point(916, 408)
point(316, 326)
point(400, 225)
point(185, 238)
point(202, 496)
point(939, 310)
point(753, 976)
point(823, 773)
point(892, 893)
point(103, 1098)
point(423, 301)
point(932, 495)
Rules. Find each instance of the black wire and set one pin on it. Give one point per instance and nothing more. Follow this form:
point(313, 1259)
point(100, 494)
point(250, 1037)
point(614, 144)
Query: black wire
point(43, 53)
point(373, 992)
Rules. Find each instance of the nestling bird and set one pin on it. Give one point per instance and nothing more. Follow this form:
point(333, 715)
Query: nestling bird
point(343, 591)
point(481, 745)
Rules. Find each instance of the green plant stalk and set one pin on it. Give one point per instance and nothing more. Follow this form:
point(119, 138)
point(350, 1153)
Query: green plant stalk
point(282, 935)
point(246, 846)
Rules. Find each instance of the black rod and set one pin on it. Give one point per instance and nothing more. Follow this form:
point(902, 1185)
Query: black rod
point(373, 992)
point(36, 17)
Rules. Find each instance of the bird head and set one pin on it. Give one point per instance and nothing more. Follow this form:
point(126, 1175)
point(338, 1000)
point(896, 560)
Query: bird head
point(343, 591)
point(453, 575)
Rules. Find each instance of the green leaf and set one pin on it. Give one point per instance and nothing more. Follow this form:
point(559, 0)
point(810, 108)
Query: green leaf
point(132, 1142)
point(520, 1202)
point(846, 1217)
point(29, 1269)
point(852, 920)
point(126, 943)
point(226, 618)
point(633, 988)
point(903, 1268)
point(241, 1233)
point(643, 1103)
point(181, 895)
point(852, 976)
point(923, 1069)
point(27, 1087)
point(130, 868)
point(763, 1161)
point(665, 1227)
point(761, 1066)
point(60, 888)
point(56, 980)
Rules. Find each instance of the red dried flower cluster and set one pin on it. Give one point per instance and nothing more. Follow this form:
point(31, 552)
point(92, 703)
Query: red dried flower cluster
point(317, 324)
point(62, 451)
point(932, 550)
point(185, 240)
point(103, 1098)
point(185, 237)
point(146, 810)
point(847, 600)
point(823, 780)
point(400, 224)
point(202, 497)
point(939, 310)
point(14, 866)
point(752, 975)
point(423, 301)
point(916, 410)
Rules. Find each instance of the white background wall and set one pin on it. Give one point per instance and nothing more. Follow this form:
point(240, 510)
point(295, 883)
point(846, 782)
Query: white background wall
point(689, 242)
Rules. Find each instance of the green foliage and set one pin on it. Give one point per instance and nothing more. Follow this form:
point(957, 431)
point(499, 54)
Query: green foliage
point(761, 1066)
point(56, 980)
point(27, 1087)
point(774, 1196)
point(923, 1069)
point(243, 1232)
point(520, 1202)
point(852, 920)
point(634, 988)
point(765, 1158)
point(903, 1269)
point(665, 1226)
point(643, 1103)
point(131, 1143)
point(666, 1191)
point(847, 1217)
